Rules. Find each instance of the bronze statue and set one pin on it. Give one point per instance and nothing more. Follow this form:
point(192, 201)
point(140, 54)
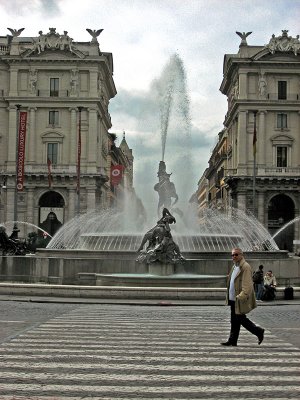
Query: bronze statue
point(165, 188)
point(161, 246)
point(10, 246)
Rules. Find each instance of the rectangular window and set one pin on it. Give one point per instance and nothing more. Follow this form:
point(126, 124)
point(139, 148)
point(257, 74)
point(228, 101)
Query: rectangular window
point(54, 87)
point(281, 156)
point(282, 90)
point(53, 118)
point(282, 121)
point(52, 152)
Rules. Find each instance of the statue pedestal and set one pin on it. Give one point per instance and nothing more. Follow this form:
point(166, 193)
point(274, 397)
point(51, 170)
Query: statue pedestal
point(161, 269)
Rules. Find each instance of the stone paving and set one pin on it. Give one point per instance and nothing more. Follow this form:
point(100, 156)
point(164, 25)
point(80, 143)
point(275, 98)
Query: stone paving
point(101, 351)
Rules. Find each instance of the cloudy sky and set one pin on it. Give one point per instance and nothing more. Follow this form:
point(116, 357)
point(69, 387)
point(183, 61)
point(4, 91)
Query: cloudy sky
point(143, 36)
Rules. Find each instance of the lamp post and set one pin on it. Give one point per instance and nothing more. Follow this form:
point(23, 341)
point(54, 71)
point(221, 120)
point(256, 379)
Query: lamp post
point(15, 230)
point(78, 160)
point(254, 163)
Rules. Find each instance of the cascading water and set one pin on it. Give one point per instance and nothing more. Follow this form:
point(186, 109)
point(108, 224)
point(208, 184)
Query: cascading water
point(212, 230)
point(293, 221)
point(172, 97)
point(10, 224)
point(107, 231)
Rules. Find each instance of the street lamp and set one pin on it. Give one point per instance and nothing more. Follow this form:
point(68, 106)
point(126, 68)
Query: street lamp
point(16, 230)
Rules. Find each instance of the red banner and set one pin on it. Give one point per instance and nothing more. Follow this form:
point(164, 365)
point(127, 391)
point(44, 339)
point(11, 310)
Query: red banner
point(21, 150)
point(116, 174)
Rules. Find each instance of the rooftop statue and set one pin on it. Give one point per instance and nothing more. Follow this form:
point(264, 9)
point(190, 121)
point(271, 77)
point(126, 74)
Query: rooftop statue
point(94, 33)
point(53, 40)
point(284, 43)
point(243, 36)
point(16, 32)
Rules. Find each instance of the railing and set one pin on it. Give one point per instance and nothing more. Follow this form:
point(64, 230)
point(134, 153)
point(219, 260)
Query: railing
point(274, 171)
point(289, 97)
point(61, 169)
point(55, 169)
point(4, 49)
point(230, 171)
point(279, 171)
point(54, 94)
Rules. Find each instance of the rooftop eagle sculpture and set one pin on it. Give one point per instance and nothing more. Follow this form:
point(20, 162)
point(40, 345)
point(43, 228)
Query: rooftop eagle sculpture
point(243, 36)
point(94, 33)
point(16, 32)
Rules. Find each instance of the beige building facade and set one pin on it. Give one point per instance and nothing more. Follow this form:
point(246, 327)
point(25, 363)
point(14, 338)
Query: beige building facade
point(65, 88)
point(262, 85)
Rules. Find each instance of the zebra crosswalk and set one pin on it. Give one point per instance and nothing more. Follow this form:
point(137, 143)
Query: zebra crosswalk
point(137, 352)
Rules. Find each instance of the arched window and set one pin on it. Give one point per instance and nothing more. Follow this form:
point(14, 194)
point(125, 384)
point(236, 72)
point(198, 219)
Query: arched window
point(281, 210)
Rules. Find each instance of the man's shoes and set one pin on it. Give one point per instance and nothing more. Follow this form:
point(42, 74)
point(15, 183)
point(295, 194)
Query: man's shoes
point(228, 343)
point(261, 336)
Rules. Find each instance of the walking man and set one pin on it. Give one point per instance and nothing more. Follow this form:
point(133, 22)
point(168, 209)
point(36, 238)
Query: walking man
point(241, 299)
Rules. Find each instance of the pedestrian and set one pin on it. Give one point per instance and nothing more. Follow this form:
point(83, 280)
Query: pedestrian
point(241, 299)
point(270, 279)
point(258, 280)
point(269, 286)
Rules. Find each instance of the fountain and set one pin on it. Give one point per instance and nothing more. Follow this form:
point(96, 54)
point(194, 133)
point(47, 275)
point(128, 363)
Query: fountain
point(109, 240)
point(100, 247)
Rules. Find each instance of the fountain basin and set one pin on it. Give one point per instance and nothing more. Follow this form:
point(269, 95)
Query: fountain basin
point(130, 242)
point(151, 280)
point(63, 266)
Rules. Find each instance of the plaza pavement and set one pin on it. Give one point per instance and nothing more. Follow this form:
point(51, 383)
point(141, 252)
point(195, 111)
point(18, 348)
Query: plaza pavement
point(111, 350)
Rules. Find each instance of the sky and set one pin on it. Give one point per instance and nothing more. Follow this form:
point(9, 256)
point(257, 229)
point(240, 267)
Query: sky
point(143, 36)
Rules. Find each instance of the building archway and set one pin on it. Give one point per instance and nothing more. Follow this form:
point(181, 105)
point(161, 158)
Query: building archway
point(51, 212)
point(281, 210)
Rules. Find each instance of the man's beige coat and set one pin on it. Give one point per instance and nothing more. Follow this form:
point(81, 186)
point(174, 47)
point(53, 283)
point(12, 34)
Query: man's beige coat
point(244, 292)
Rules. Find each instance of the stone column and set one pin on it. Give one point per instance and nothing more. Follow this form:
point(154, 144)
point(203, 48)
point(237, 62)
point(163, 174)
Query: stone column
point(241, 201)
point(30, 206)
point(243, 85)
point(92, 139)
point(91, 199)
point(94, 83)
point(32, 139)
point(242, 149)
point(13, 82)
point(72, 201)
point(261, 144)
point(261, 207)
point(12, 128)
point(73, 137)
point(10, 203)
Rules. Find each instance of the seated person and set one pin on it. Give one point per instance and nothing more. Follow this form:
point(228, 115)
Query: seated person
point(270, 286)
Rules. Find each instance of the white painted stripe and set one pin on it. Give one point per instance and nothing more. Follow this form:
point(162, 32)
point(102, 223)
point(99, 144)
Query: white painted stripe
point(19, 348)
point(251, 345)
point(140, 367)
point(95, 378)
point(160, 358)
point(30, 387)
point(3, 321)
point(182, 397)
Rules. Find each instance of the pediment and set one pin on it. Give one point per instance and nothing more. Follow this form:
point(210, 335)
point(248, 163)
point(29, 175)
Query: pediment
point(282, 139)
point(265, 55)
point(53, 55)
point(52, 135)
point(281, 46)
point(53, 43)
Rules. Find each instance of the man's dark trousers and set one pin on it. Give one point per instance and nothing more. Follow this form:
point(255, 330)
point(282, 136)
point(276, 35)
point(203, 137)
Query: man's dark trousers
point(240, 319)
